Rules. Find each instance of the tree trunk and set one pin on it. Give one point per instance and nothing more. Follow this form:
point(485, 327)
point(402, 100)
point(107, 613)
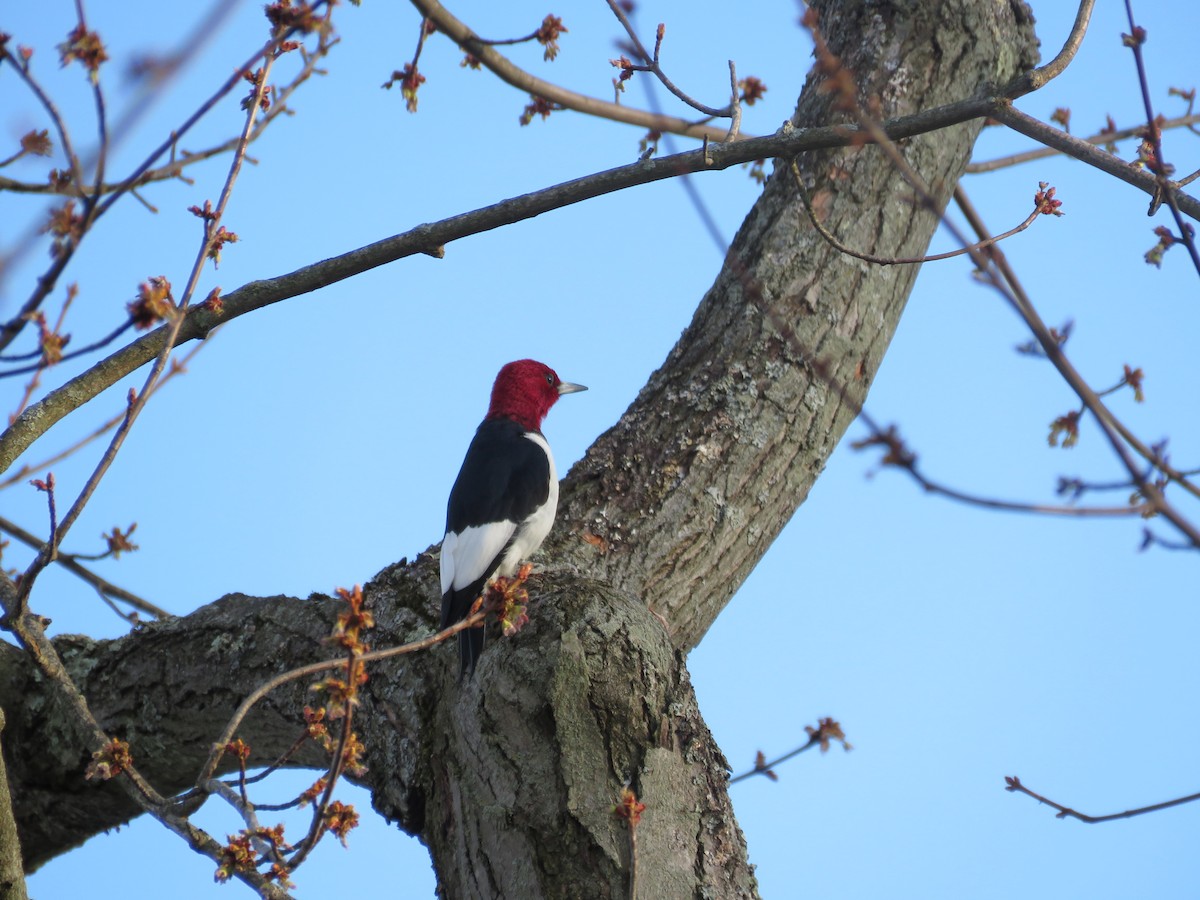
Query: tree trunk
point(688, 490)
point(511, 778)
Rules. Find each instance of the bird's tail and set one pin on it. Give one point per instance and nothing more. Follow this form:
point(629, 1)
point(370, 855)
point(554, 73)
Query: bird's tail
point(470, 646)
point(456, 606)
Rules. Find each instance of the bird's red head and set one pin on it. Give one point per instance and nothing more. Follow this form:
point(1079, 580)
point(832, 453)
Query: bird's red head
point(525, 390)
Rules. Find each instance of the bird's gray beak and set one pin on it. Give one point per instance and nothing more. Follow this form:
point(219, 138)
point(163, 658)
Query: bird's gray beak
point(567, 388)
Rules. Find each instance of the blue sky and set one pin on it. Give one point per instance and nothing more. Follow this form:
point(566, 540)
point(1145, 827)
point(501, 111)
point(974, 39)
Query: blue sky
point(313, 443)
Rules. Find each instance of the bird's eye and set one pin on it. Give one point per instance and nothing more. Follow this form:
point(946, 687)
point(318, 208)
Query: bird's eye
point(550, 380)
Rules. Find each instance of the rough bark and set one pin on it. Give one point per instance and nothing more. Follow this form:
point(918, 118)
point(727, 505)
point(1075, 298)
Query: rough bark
point(510, 778)
point(511, 782)
point(12, 877)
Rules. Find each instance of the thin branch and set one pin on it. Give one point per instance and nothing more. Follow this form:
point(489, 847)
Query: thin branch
point(248, 812)
point(178, 367)
point(280, 761)
point(101, 123)
point(138, 402)
point(1083, 151)
point(764, 768)
point(1047, 341)
point(1154, 137)
point(832, 240)
point(735, 103)
point(899, 456)
point(66, 357)
point(70, 562)
point(430, 238)
point(1039, 77)
point(512, 74)
point(827, 732)
point(633, 861)
point(1099, 139)
point(1013, 784)
point(317, 828)
point(650, 64)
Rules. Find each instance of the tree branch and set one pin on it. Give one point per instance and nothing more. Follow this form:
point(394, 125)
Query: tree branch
point(1099, 139)
point(512, 74)
point(40, 416)
point(1093, 156)
point(1013, 784)
point(69, 562)
point(1039, 77)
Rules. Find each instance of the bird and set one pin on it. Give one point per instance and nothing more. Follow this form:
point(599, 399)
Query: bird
point(505, 497)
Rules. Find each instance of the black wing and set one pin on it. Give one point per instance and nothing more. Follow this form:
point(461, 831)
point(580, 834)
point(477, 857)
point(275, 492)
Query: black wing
point(504, 478)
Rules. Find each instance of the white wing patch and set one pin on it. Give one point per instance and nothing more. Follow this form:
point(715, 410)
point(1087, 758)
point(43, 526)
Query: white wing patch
point(466, 555)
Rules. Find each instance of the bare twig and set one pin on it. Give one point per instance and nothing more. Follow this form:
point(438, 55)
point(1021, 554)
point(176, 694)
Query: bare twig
point(137, 402)
point(833, 241)
point(735, 104)
point(1046, 340)
point(762, 767)
point(824, 734)
point(1158, 164)
point(650, 63)
point(178, 367)
point(512, 74)
point(101, 121)
point(1085, 152)
point(70, 562)
point(1013, 784)
point(899, 456)
point(80, 351)
point(249, 813)
point(336, 765)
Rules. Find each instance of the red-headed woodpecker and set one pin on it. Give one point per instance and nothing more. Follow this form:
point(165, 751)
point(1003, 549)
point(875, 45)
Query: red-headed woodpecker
point(504, 499)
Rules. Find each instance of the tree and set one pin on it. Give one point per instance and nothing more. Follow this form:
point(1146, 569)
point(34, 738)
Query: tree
point(673, 509)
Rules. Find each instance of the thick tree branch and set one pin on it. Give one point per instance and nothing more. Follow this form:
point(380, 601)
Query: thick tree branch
point(576, 692)
point(143, 688)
